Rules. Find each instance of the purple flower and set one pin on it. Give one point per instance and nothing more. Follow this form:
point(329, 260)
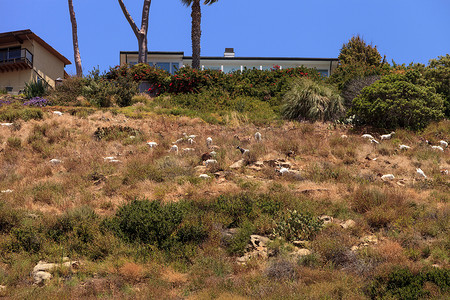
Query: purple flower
point(37, 101)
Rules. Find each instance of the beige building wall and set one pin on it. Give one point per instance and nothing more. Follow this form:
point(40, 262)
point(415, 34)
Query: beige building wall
point(45, 66)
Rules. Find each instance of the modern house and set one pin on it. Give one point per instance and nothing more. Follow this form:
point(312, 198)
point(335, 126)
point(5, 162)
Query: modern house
point(171, 61)
point(25, 57)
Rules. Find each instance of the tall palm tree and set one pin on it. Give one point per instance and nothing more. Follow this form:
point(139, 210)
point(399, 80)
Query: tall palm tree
point(196, 31)
point(76, 50)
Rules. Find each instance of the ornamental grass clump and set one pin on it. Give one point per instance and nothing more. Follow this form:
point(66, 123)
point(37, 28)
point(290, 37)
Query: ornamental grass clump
point(312, 101)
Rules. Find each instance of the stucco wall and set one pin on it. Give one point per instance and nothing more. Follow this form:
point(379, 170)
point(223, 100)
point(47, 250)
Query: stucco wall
point(46, 64)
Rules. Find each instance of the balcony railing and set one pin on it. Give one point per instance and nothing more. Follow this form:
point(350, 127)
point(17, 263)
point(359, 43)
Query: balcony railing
point(15, 60)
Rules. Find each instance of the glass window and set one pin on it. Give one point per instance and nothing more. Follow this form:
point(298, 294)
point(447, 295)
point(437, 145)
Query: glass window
point(14, 53)
point(324, 73)
point(3, 55)
point(163, 65)
point(213, 67)
point(230, 69)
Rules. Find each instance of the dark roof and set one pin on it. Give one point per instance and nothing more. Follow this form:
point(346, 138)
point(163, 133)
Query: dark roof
point(155, 52)
point(234, 58)
point(21, 35)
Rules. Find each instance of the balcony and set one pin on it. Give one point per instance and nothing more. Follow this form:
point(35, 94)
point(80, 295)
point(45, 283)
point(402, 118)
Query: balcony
point(15, 60)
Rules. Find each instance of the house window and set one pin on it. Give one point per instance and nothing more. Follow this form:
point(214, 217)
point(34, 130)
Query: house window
point(10, 53)
point(230, 69)
point(163, 65)
point(324, 73)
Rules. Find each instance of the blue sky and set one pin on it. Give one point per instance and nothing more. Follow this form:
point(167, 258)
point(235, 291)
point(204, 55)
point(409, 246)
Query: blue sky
point(403, 30)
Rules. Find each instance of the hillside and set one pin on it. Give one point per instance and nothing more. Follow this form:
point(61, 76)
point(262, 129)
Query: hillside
point(73, 185)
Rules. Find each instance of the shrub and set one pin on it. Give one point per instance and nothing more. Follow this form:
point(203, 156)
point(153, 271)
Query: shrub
point(401, 283)
point(281, 269)
point(297, 226)
point(437, 73)
point(151, 222)
point(14, 142)
point(68, 92)
point(26, 238)
point(240, 241)
point(35, 88)
point(9, 218)
point(398, 100)
point(354, 86)
point(308, 100)
point(333, 244)
point(26, 114)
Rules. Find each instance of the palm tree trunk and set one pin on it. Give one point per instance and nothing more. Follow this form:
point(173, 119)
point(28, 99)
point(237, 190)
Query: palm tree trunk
point(196, 33)
point(76, 50)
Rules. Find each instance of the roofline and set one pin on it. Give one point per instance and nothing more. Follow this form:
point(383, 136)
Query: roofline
point(235, 58)
point(30, 34)
point(155, 52)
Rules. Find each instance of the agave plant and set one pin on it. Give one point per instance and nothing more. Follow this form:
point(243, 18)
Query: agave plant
point(313, 101)
point(35, 88)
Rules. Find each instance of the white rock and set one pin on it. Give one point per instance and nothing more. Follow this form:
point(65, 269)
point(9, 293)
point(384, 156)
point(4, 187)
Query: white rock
point(300, 252)
point(55, 161)
point(326, 219)
point(109, 158)
point(7, 191)
point(114, 161)
point(58, 113)
point(404, 147)
point(188, 149)
point(344, 136)
point(348, 224)
point(237, 165)
point(204, 176)
point(7, 124)
point(41, 277)
point(152, 144)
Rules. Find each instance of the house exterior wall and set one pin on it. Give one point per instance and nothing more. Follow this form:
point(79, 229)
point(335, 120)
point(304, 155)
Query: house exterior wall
point(45, 66)
point(168, 62)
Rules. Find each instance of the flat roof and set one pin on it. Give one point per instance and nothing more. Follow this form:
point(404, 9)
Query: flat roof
point(21, 35)
point(234, 58)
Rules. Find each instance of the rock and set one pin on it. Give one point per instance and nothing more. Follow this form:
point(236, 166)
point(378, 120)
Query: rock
point(348, 224)
point(354, 248)
point(255, 168)
point(326, 219)
point(204, 176)
point(7, 191)
point(237, 165)
point(41, 277)
point(259, 164)
point(200, 169)
point(55, 161)
point(369, 239)
point(300, 244)
point(300, 252)
point(259, 241)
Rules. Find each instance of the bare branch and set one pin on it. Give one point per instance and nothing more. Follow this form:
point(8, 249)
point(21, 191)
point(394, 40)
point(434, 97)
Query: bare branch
point(129, 18)
point(145, 12)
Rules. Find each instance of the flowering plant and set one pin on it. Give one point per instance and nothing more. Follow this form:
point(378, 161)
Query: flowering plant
point(37, 102)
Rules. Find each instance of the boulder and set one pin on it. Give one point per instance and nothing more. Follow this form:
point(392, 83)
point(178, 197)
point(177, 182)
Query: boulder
point(41, 277)
point(348, 224)
point(237, 165)
point(297, 253)
point(326, 219)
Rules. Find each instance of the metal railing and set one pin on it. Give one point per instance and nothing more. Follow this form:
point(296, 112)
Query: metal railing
point(11, 57)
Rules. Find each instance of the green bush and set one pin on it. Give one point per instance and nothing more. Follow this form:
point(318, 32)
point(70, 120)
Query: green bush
point(26, 238)
point(35, 88)
point(401, 283)
point(68, 92)
point(398, 100)
point(437, 73)
point(295, 226)
point(309, 100)
point(240, 241)
point(14, 142)
point(151, 222)
point(9, 218)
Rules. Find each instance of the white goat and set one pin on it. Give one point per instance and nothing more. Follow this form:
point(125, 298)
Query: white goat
point(367, 136)
point(421, 173)
point(387, 136)
point(208, 141)
point(258, 137)
point(443, 143)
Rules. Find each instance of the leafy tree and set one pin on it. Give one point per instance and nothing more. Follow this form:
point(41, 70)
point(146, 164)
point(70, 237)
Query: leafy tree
point(398, 100)
point(76, 49)
point(196, 31)
point(438, 75)
point(141, 34)
point(358, 60)
point(357, 51)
